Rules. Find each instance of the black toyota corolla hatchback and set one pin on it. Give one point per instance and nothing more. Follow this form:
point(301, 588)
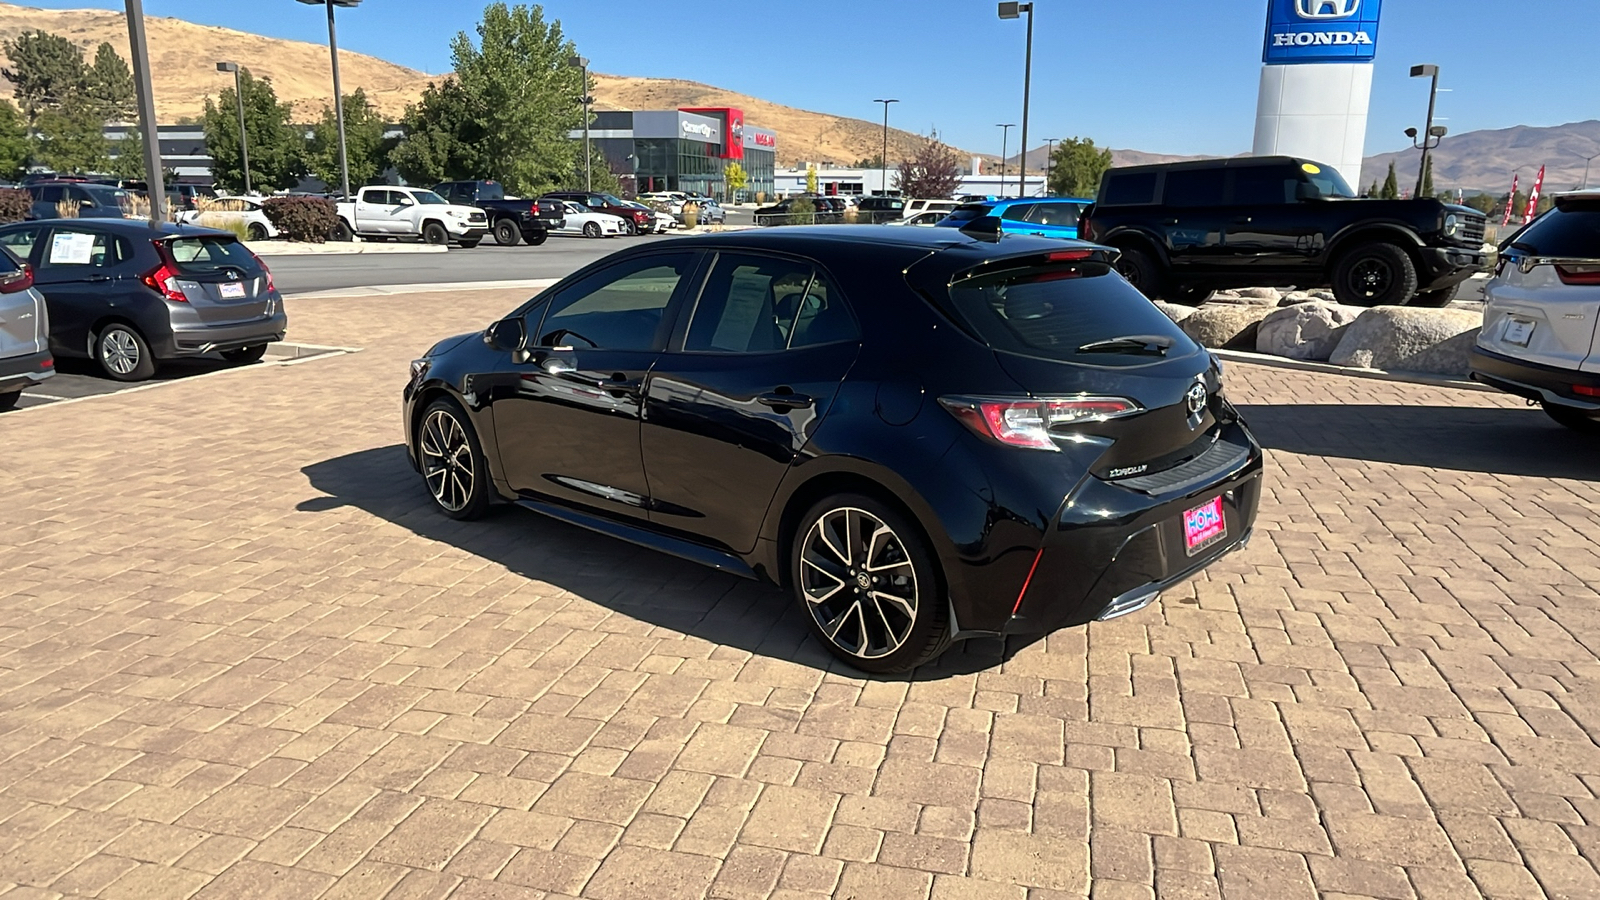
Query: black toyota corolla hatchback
point(924, 435)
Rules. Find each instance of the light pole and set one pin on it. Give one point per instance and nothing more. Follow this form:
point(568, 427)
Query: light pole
point(1049, 157)
point(147, 112)
point(1011, 11)
point(238, 96)
point(582, 63)
point(1586, 161)
point(338, 96)
point(883, 161)
point(1427, 71)
point(1005, 132)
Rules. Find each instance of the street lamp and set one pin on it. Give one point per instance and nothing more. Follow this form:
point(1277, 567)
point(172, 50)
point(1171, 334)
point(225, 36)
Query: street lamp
point(883, 161)
point(338, 97)
point(1427, 71)
point(1011, 11)
point(238, 96)
point(1005, 132)
point(1049, 157)
point(582, 63)
point(1586, 161)
point(147, 112)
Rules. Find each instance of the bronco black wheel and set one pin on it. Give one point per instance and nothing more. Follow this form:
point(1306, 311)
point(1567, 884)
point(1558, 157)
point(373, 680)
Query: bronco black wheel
point(1375, 275)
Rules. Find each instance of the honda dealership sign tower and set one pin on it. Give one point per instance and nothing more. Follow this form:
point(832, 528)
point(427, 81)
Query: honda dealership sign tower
point(1317, 81)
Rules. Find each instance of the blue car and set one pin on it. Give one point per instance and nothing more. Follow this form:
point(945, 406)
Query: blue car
point(1053, 217)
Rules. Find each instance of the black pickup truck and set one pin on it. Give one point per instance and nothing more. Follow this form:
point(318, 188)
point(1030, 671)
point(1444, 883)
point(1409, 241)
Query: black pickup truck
point(1186, 229)
point(510, 220)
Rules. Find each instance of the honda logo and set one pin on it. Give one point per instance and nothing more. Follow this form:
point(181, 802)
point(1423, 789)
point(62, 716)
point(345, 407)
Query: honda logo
point(1326, 9)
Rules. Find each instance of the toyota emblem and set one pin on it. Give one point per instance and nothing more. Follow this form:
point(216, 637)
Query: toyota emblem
point(1195, 399)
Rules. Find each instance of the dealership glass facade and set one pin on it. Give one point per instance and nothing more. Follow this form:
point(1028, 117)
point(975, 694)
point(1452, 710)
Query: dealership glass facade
point(677, 150)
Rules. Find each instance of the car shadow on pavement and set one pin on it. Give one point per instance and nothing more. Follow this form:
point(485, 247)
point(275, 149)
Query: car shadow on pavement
point(1463, 438)
point(642, 584)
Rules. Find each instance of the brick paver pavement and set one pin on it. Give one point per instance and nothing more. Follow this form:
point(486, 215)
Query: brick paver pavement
point(240, 657)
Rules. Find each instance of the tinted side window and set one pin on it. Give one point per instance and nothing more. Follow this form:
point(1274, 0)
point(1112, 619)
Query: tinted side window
point(1263, 185)
point(52, 193)
point(1017, 212)
point(617, 308)
point(748, 305)
point(1195, 187)
point(1131, 189)
point(821, 317)
point(20, 242)
point(70, 247)
point(1055, 214)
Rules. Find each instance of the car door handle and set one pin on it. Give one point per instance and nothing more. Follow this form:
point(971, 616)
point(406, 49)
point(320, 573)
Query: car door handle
point(1246, 220)
point(783, 399)
point(98, 278)
point(1169, 221)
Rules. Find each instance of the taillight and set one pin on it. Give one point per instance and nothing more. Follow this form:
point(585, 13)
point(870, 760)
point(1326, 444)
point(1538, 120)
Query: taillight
point(1584, 390)
point(1027, 423)
point(165, 282)
point(1587, 275)
point(268, 272)
point(18, 281)
point(1070, 255)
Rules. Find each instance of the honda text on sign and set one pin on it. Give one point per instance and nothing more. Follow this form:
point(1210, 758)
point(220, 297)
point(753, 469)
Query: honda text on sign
point(1319, 31)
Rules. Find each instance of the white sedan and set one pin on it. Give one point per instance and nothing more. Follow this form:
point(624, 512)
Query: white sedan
point(590, 224)
point(664, 221)
point(223, 211)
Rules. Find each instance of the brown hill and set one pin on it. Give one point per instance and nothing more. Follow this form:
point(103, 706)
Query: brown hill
point(1484, 160)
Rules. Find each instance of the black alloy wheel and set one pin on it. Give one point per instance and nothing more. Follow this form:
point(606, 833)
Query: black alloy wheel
point(591, 229)
point(632, 227)
point(1140, 270)
point(256, 232)
point(434, 233)
point(1575, 419)
point(1375, 275)
point(123, 353)
point(506, 233)
point(869, 585)
point(452, 461)
point(342, 232)
point(250, 354)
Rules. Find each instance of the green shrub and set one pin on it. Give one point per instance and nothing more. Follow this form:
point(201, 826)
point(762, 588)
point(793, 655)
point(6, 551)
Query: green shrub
point(225, 222)
point(15, 204)
point(302, 218)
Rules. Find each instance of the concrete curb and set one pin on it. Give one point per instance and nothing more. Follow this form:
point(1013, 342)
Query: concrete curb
point(386, 290)
point(295, 248)
point(1322, 368)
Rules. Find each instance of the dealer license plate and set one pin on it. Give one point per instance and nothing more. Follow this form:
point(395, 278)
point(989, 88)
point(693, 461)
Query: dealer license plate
point(231, 290)
point(1518, 331)
point(1204, 525)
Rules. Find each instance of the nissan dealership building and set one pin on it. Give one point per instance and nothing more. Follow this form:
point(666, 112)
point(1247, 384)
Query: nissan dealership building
point(685, 149)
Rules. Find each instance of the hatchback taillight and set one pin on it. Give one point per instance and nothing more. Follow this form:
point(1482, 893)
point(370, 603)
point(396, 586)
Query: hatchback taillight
point(1585, 275)
point(265, 271)
point(18, 281)
point(165, 282)
point(1027, 423)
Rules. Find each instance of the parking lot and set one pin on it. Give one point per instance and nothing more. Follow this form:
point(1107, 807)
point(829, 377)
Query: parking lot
point(241, 656)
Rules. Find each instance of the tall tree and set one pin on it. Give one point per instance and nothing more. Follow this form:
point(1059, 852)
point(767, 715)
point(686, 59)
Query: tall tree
point(109, 85)
point(1391, 185)
point(1427, 178)
point(811, 179)
point(46, 70)
point(129, 161)
point(1076, 166)
point(71, 137)
point(441, 136)
point(736, 178)
point(13, 140)
point(932, 172)
point(366, 151)
point(276, 147)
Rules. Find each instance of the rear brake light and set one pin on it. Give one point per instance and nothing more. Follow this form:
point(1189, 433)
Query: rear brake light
point(1587, 275)
point(18, 281)
point(1070, 255)
point(1585, 390)
point(164, 280)
point(1027, 423)
point(49, 362)
point(266, 271)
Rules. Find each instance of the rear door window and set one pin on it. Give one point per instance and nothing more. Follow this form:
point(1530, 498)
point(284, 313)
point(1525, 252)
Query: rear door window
point(748, 305)
point(1195, 187)
point(1017, 212)
point(1063, 214)
point(1264, 185)
point(72, 248)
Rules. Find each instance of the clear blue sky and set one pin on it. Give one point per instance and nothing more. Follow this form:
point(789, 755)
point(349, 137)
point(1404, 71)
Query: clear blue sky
point(1172, 76)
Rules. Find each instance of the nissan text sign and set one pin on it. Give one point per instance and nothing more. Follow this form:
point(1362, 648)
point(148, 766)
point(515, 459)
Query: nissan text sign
point(1321, 31)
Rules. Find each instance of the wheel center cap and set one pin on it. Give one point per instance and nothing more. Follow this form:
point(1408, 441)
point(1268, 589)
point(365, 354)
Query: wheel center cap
point(864, 580)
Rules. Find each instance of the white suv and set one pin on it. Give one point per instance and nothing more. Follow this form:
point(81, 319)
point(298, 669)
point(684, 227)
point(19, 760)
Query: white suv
point(1539, 338)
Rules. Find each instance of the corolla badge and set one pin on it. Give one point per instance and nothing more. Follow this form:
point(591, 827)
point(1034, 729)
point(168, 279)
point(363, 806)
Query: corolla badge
point(1326, 9)
point(1195, 399)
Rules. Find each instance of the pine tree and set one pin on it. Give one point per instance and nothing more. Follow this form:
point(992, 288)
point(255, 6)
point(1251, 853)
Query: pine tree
point(1427, 178)
point(1391, 185)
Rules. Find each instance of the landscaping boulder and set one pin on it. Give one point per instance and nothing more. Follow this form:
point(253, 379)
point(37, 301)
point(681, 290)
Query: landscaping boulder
point(1225, 325)
point(1245, 297)
point(1305, 330)
point(1293, 297)
point(1410, 339)
point(1174, 311)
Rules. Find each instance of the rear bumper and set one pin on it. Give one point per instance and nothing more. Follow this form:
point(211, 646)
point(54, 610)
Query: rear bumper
point(19, 372)
point(1113, 550)
point(1445, 266)
point(1533, 381)
point(209, 339)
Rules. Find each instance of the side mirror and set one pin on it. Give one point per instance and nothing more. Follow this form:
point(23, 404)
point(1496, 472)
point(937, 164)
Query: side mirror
point(506, 335)
point(407, 201)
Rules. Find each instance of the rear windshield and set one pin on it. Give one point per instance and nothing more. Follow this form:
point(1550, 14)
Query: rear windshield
point(966, 212)
point(208, 254)
point(1051, 311)
point(1572, 232)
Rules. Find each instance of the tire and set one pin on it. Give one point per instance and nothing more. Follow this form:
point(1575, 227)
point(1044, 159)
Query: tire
point(506, 233)
point(1435, 299)
point(8, 400)
point(256, 232)
point(1141, 271)
point(469, 244)
point(633, 229)
point(342, 232)
point(250, 354)
point(870, 629)
point(1577, 420)
point(434, 233)
point(591, 229)
point(453, 467)
point(123, 353)
point(1374, 275)
point(536, 238)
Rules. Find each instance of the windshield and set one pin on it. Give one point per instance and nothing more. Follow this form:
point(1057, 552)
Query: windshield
point(1055, 311)
point(429, 197)
point(1329, 182)
point(612, 201)
point(105, 196)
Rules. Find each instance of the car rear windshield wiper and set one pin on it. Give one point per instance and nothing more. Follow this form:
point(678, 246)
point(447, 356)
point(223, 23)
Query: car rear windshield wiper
point(1153, 344)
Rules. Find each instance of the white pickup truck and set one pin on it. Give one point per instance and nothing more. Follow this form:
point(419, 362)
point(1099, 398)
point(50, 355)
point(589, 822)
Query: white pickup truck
point(387, 211)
